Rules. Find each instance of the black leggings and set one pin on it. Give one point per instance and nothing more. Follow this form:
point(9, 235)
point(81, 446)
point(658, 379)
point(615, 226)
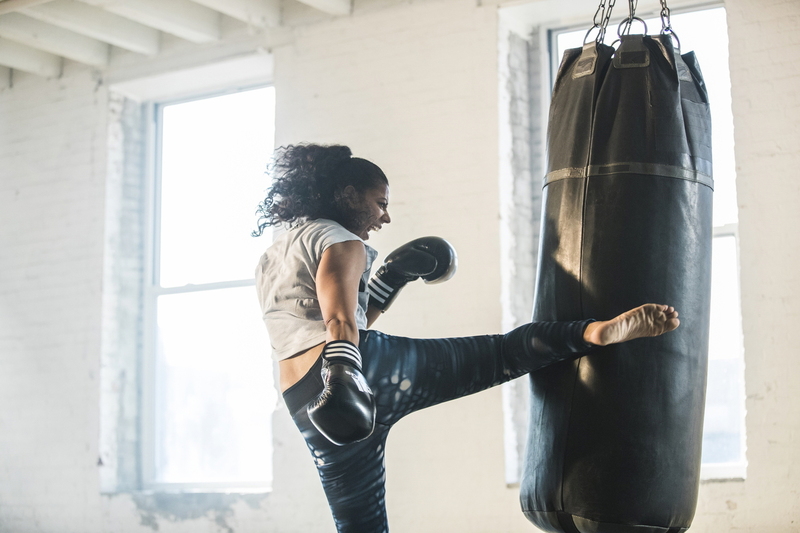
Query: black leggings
point(407, 375)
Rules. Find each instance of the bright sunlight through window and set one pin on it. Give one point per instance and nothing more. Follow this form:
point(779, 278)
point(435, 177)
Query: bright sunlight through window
point(209, 392)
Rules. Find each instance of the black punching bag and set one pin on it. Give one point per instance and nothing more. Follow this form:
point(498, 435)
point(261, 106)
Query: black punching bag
point(615, 436)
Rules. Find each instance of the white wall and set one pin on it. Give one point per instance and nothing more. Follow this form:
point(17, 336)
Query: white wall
point(52, 149)
point(412, 86)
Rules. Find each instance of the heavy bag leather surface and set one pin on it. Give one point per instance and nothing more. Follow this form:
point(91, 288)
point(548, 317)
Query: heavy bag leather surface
point(615, 437)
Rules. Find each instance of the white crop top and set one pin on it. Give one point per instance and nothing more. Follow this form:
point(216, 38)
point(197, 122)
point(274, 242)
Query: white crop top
point(287, 288)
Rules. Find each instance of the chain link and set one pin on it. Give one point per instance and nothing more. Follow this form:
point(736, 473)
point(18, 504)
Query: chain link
point(632, 5)
point(598, 14)
point(666, 24)
point(606, 18)
point(600, 20)
point(625, 26)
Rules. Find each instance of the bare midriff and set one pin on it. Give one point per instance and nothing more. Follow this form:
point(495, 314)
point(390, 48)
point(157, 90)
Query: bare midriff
point(297, 366)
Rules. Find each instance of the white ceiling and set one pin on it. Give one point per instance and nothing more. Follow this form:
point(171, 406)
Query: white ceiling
point(36, 36)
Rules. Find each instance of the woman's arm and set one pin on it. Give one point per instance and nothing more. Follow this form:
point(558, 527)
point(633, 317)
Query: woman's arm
point(338, 276)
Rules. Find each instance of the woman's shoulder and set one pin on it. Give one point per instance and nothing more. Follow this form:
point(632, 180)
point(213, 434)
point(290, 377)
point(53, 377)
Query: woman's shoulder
point(326, 230)
point(324, 233)
point(311, 238)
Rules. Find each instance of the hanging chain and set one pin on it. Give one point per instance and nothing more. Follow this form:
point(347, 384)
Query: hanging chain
point(666, 24)
point(598, 15)
point(600, 20)
point(606, 17)
point(627, 23)
point(632, 5)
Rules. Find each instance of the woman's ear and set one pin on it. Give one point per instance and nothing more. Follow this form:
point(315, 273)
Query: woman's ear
point(350, 192)
point(350, 196)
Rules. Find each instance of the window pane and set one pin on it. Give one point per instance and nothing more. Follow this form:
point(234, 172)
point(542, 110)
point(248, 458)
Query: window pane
point(214, 156)
point(723, 431)
point(703, 32)
point(214, 389)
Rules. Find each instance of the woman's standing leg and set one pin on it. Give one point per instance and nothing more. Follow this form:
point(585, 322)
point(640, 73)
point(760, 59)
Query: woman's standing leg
point(353, 476)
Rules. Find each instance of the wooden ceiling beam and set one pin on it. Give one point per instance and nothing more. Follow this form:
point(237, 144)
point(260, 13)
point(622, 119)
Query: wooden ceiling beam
point(27, 59)
point(333, 7)
point(9, 6)
point(258, 13)
point(98, 24)
point(182, 18)
point(58, 41)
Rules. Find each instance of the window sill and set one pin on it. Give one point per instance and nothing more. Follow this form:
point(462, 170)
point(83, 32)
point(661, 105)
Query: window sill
point(205, 488)
point(719, 472)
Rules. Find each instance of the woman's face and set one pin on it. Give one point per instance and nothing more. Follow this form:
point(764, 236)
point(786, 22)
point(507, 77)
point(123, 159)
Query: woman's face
point(372, 210)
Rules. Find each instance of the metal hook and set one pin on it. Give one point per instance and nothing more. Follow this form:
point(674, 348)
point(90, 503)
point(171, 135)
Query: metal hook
point(599, 34)
point(669, 31)
point(628, 23)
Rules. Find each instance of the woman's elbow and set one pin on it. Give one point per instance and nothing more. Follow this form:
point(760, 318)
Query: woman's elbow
point(338, 325)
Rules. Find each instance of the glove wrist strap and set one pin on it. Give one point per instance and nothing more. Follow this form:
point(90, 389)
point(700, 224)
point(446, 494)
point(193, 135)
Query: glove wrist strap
point(383, 287)
point(342, 352)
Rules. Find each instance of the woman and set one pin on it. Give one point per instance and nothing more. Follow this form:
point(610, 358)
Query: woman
point(341, 380)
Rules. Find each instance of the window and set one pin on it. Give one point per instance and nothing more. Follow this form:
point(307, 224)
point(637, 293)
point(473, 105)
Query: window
point(208, 392)
point(724, 432)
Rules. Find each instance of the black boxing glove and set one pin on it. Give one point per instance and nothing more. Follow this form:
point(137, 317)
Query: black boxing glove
point(345, 409)
point(431, 258)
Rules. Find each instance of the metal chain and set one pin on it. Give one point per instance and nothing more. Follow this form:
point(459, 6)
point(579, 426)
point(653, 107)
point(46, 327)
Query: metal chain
point(598, 14)
point(600, 20)
point(627, 23)
point(625, 26)
point(606, 18)
point(632, 5)
point(666, 24)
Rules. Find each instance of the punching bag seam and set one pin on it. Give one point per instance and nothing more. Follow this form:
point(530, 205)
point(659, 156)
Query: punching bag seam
point(585, 172)
point(625, 167)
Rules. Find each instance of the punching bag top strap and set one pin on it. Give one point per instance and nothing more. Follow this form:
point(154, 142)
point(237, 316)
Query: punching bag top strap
point(586, 64)
point(632, 52)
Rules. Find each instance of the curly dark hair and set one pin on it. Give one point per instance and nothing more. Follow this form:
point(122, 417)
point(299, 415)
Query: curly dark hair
point(308, 181)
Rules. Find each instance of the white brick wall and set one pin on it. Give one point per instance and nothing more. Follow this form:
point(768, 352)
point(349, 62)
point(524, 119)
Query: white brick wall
point(51, 196)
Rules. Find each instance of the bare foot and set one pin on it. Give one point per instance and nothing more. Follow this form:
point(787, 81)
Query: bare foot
point(648, 320)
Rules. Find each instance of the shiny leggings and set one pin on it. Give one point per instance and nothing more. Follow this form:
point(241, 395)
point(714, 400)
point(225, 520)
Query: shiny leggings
point(407, 375)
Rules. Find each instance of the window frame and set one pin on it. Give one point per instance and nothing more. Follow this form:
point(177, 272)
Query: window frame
point(152, 290)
